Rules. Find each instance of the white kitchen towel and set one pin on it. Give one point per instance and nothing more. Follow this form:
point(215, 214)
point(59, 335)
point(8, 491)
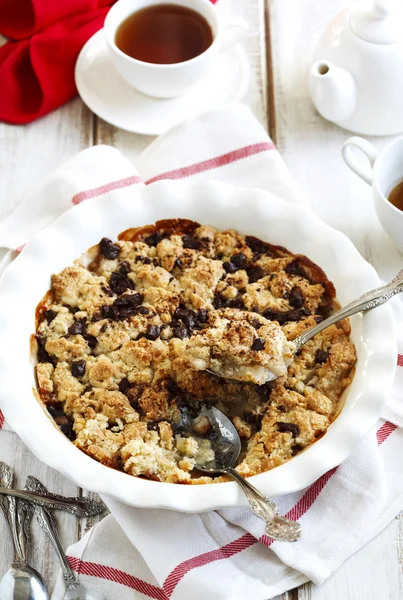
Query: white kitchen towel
point(222, 555)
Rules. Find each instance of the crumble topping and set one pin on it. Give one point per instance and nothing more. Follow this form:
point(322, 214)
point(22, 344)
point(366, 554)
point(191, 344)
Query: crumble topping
point(123, 345)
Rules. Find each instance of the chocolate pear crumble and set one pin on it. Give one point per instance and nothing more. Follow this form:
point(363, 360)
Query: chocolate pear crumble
point(122, 345)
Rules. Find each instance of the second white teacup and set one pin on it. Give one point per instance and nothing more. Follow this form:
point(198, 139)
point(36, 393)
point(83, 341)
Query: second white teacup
point(169, 80)
point(385, 171)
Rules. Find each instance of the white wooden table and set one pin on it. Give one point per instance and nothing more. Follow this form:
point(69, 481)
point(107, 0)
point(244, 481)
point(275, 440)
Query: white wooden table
point(282, 34)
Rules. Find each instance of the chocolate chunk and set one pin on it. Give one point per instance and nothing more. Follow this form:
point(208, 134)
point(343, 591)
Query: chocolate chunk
point(152, 425)
point(178, 263)
point(239, 260)
point(254, 274)
point(202, 315)
point(43, 356)
point(258, 344)
point(152, 332)
point(230, 267)
point(120, 283)
point(265, 390)
point(106, 312)
point(281, 408)
point(296, 298)
point(124, 385)
point(78, 368)
point(50, 315)
point(290, 427)
point(235, 303)
point(284, 317)
point(253, 418)
point(181, 332)
point(295, 449)
point(181, 312)
point(73, 309)
point(173, 388)
point(218, 301)
point(321, 356)
point(256, 324)
point(189, 321)
point(66, 426)
point(129, 300)
point(147, 260)
point(124, 268)
point(190, 243)
point(142, 310)
point(77, 328)
point(55, 409)
point(91, 340)
point(295, 268)
point(324, 311)
point(139, 258)
point(107, 290)
point(256, 245)
point(154, 238)
point(108, 249)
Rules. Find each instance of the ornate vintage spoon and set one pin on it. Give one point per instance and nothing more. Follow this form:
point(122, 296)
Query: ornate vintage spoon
point(80, 507)
point(21, 582)
point(367, 301)
point(74, 589)
point(226, 444)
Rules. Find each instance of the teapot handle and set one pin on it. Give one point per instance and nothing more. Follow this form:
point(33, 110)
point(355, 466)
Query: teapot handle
point(370, 152)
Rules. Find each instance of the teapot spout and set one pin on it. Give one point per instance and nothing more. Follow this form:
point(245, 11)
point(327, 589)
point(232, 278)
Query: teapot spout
point(333, 91)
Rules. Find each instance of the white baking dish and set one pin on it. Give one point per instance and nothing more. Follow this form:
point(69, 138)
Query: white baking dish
point(251, 212)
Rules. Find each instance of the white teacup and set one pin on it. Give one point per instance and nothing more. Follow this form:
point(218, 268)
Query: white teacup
point(169, 80)
point(385, 171)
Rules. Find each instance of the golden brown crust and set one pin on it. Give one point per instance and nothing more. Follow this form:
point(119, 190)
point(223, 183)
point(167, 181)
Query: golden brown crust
point(114, 343)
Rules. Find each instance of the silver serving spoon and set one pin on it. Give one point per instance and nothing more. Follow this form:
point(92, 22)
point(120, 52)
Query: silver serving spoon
point(74, 589)
point(226, 444)
point(367, 301)
point(21, 582)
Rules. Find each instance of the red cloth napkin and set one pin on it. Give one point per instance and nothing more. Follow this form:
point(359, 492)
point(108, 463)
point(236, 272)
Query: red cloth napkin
point(37, 71)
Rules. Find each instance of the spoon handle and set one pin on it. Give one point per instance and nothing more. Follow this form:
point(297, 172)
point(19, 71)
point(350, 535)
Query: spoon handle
point(277, 527)
point(80, 507)
point(18, 514)
point(9, 507)
point(48, 523)
point(365, 302)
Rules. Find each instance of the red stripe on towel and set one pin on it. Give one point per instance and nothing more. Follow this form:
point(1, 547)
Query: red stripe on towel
point(117, 576)
point(226, 551)
point(384, 432)
point(216, 162)
point(400, 360)
point(1, 419)
point(104, 189)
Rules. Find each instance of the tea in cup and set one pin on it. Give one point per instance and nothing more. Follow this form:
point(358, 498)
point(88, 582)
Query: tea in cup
point(385, 175)
point(163, 49)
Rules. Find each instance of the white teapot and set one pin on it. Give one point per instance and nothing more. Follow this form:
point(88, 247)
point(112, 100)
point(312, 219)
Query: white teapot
point(357, 78)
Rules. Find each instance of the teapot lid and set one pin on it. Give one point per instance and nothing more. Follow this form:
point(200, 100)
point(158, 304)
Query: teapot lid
point(381, 23)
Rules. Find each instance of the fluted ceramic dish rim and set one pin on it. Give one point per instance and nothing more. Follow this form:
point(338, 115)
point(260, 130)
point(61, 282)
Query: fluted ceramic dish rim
point(250, 211)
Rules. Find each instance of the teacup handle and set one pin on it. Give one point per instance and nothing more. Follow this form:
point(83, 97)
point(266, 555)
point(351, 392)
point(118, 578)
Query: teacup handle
point(233, 31)
point(370, 152)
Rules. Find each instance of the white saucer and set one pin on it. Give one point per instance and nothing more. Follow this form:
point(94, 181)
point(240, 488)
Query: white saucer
point(111, 98)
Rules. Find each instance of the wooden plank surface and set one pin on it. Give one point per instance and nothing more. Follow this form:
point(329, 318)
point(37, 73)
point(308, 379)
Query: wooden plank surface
point(311, 148)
